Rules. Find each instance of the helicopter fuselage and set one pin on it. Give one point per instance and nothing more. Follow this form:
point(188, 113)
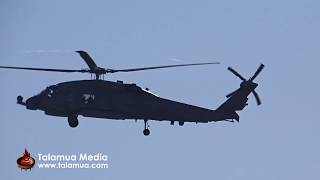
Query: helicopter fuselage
point(114, 100)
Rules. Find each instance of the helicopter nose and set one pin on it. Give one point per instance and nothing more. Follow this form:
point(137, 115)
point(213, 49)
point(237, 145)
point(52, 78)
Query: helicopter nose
point(33, 102)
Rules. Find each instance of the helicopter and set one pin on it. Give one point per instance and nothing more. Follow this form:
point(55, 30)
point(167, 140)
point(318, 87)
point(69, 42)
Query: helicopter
point(99, 98)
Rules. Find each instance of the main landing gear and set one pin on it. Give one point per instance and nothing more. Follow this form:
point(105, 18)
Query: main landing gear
point(73, 120)
point(146, 131)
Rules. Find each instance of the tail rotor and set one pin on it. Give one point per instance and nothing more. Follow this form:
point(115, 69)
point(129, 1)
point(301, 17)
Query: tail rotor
point(245, 81)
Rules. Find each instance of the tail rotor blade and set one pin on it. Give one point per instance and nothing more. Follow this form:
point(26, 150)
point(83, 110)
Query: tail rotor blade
point(257, 72)
point(236, 73)
point(257, 97)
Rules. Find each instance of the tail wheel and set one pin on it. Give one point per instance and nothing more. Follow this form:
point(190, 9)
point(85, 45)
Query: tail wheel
point(146, 132)
point(73, 121)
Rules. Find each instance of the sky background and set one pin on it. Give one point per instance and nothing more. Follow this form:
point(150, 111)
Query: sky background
point(277, 140)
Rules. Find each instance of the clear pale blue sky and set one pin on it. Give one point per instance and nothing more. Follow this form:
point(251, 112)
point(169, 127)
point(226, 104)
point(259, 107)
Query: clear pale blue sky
point(278, 140)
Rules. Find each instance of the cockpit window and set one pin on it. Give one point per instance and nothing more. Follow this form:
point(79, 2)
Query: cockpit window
point(49, 91)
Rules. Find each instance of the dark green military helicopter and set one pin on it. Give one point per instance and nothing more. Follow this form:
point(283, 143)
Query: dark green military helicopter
point(117, 100)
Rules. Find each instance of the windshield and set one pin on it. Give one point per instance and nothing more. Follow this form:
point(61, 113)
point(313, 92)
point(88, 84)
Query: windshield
point(49, 91)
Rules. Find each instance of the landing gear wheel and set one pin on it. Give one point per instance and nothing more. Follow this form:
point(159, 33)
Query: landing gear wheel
point(73, 121)
point(181, 123)
point(146, 132)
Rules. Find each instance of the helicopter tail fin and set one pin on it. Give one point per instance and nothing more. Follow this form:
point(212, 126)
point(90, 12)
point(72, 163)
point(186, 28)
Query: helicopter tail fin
point(237, 100)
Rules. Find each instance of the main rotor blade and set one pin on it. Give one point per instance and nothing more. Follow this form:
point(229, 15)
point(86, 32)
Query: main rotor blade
point(86, 57)
point(257, 97)
point(156, 67)
point(236, 73)
point(45, 69)
point(257, 72)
